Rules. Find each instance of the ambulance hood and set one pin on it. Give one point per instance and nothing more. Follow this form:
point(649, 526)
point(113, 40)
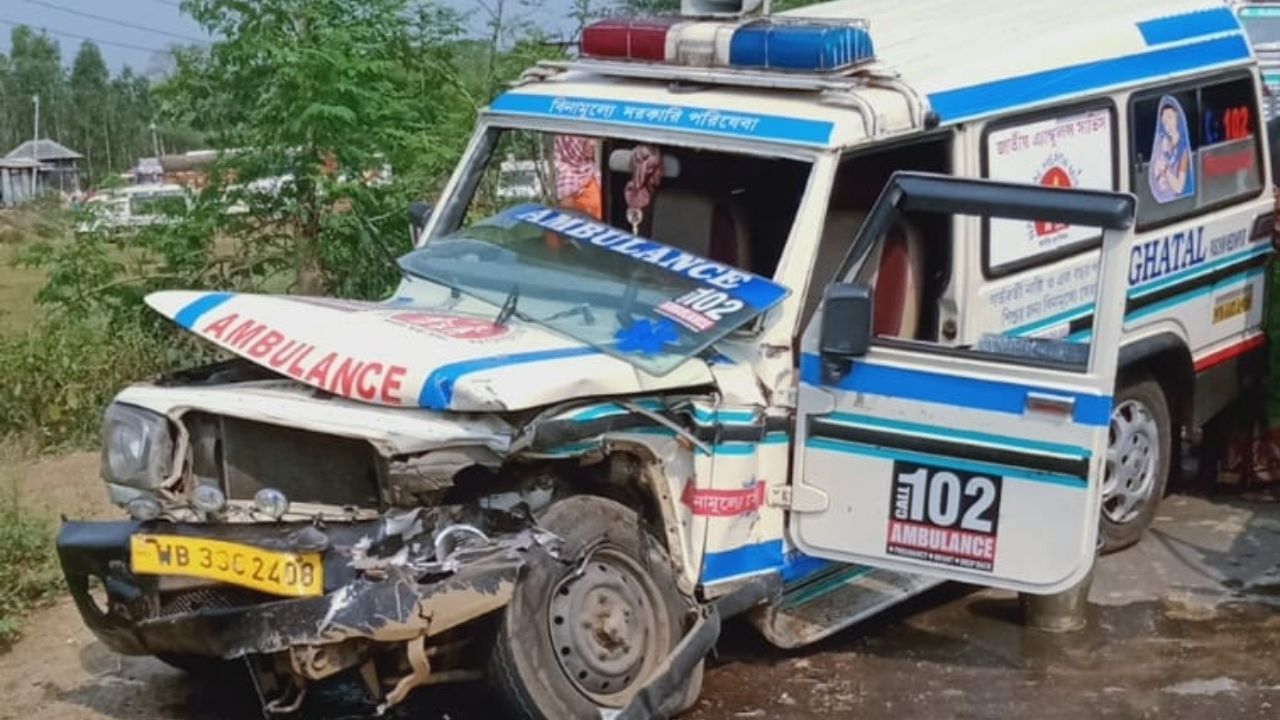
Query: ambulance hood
point(405, 356)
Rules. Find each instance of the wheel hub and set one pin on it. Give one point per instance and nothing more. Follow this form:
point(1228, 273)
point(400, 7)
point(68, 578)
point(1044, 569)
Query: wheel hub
point(600, 624)
point(1132, 462)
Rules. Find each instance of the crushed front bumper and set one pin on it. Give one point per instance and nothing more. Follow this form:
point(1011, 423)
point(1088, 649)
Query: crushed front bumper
point(383, 601)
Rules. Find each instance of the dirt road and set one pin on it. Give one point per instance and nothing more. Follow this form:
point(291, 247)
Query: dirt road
point(1184, 626)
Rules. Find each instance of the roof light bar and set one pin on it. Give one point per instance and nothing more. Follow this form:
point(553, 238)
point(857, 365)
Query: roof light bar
point(805, 46)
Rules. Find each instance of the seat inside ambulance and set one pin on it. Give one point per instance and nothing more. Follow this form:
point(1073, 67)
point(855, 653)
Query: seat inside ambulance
point(730, 208)
point(909, 268)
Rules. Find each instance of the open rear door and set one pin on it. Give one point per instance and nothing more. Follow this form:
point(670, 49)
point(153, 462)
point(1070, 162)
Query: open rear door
point(980, 464)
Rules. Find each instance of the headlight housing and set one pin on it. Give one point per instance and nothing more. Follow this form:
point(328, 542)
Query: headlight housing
point(137, 447)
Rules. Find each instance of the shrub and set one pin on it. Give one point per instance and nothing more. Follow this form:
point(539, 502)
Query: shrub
point(60, 375)
point(29, 574)
point(42, 219)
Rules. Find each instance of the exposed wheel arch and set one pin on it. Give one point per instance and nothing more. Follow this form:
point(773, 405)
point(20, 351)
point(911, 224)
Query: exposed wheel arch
point(1167, 359)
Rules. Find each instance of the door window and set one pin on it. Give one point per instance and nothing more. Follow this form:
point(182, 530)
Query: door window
point(913, 264)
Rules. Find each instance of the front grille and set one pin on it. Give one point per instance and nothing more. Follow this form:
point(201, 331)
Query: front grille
point(181, 602)
point(245, 456)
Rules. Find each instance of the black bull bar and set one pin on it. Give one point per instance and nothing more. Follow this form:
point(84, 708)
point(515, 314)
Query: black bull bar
point(396, 608)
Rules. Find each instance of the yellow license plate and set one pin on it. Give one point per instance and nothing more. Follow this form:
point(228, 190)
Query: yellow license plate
point(277, 573)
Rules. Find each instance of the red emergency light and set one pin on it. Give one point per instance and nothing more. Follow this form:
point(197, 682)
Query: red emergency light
point(628, 38)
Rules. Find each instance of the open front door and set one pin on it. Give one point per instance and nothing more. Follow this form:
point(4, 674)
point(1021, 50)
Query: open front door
point(981, 464)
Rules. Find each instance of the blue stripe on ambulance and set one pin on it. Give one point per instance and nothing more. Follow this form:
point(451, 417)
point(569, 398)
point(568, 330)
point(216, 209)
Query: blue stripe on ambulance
point(767, 556)
point(1046, 323)
point(1139, 292)
point(983, 468)
point(1188, 296)
point(437, 391)
point(1198, 271)
point(1086, 78)
point(194, 310)
point(934, 431)
point(744, 560)
point(943, 389)
point(753, 126)
point(1186, 26)
point(1195, 294)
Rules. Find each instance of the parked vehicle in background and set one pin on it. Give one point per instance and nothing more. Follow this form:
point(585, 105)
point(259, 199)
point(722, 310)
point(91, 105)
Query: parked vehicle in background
point(522, 179)
point(133, 207)
point(794, 325)
point(1261, 22)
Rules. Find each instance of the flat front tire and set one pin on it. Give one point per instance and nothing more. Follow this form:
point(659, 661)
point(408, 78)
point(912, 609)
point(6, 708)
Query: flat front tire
point(1139, 447)
point(587, 634)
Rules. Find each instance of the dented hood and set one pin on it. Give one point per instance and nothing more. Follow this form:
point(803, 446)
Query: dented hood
point(399, 355)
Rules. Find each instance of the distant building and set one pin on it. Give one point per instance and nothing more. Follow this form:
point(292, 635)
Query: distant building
point(17, 180)
point(59, 166)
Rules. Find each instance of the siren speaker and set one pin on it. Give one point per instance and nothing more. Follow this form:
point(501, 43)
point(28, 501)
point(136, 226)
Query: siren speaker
point(732, 8)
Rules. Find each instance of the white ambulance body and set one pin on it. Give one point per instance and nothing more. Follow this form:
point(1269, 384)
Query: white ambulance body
point(1063, 98)
point(756, 306)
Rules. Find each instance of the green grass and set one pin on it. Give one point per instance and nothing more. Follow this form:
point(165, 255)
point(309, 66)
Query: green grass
point(19, 228)
point(18, 287)
point(29, 572)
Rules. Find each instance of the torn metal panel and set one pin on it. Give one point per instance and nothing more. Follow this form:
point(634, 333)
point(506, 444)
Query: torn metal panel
point(669, 466)
point(385, 581)
point(422, 479)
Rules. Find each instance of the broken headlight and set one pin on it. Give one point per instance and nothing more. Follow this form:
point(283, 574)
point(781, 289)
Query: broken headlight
point(137, 447)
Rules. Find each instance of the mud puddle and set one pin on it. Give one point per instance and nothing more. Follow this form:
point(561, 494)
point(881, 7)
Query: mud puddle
point(961, 654)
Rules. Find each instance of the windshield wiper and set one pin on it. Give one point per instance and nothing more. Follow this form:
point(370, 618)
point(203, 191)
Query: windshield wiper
point(583, 309)
point(508, 306)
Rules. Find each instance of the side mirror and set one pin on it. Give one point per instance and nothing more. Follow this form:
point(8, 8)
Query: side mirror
point(419, 214)
point(845, 333)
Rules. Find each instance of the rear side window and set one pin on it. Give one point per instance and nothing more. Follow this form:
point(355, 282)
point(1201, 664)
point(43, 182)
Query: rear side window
point(1195, 148)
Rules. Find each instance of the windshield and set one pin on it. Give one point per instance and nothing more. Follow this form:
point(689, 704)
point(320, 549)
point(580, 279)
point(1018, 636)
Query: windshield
point(1262, 24)
point(650, 253)
point(158, 204)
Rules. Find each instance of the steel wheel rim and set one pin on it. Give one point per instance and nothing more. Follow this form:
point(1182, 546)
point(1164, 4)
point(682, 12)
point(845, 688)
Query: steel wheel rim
point(604, 622)
point(1133, 459)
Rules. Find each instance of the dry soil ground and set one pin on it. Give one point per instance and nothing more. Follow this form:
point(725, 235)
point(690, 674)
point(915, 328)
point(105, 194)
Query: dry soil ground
point(1183, 626)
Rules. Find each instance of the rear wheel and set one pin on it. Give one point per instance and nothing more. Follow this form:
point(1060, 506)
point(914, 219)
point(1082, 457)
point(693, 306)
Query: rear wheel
point(1138, 462)
point(589, 634)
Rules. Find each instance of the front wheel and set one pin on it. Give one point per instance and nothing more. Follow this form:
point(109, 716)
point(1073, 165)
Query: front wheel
point(1138, 461)
point(587, 634)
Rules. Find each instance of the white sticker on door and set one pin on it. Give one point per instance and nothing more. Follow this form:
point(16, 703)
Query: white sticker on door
point(944, 516)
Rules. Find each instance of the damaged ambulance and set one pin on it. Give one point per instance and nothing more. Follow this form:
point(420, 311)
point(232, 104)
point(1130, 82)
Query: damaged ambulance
point(787, 316)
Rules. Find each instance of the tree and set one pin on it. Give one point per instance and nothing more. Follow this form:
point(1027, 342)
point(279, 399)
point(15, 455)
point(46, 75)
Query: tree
point(91, 124)
point(35, 69)
point(105, 118)
point(318, 94)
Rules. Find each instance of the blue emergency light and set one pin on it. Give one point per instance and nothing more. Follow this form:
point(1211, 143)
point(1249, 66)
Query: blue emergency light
point(821, 48)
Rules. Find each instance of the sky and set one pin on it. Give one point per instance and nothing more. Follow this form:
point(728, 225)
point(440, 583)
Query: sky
point(134, 32)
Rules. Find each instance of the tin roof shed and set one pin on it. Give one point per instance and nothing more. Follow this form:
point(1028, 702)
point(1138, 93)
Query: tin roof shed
point(46, 151)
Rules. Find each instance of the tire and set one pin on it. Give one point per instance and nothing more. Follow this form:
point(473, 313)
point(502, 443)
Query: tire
point(1139, 455)
point(542, 664)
